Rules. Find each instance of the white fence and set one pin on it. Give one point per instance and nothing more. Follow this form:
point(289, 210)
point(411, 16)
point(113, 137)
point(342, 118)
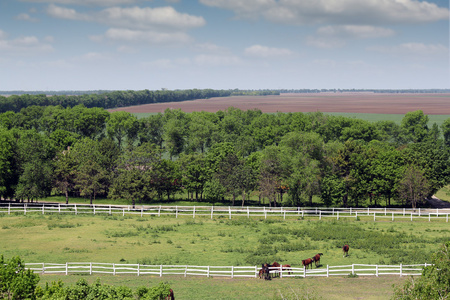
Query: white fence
point(222, 271)
point(228, 211)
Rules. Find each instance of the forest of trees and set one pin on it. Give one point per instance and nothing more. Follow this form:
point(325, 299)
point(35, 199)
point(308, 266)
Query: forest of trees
point(114, 99)
point(284, 158)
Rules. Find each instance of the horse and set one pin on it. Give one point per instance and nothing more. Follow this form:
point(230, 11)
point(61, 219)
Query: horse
point(287, 268)
point(345, 249)
point(276, 265)
point(316, 259)
point(265, 272)
point(307, 262)
point(171, 295)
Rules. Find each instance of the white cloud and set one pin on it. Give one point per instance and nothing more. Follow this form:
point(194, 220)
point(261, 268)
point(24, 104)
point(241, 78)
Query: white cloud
point(336, 36)
point(24, 45)
point(144, 18)
point(416, 49)
point(336, 11)
point(217, 60)
point(152, 37)
point(26, 17)
point(66, 13)
point(126, 49)
point(355, 31)
point(86, 2)
point(264, 51)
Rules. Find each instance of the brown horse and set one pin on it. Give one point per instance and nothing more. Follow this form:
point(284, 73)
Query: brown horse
point(345, 249)
point(287, 268)
point(276, 265)
point(316, 259)
point(171, 295)
point(307, 262)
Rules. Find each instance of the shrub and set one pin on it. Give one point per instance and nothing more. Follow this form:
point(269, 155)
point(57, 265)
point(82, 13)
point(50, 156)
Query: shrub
point(15, 281)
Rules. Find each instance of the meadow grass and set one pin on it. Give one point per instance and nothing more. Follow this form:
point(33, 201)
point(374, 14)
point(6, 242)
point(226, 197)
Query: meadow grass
point(224, 288)
point(202, 241)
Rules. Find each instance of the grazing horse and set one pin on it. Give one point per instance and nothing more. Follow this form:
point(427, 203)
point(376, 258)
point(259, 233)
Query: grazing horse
point(316, 259)
point(345, 249)
point(171, 295)
point(287, 268)
point(307, 262)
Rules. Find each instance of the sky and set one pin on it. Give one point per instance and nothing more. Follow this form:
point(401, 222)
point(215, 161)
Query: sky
point(53, 45)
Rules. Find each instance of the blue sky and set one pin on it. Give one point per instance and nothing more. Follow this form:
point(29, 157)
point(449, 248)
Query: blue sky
point(223, 44)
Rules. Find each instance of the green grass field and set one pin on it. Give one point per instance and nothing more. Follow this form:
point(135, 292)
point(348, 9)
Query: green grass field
point(240, 241)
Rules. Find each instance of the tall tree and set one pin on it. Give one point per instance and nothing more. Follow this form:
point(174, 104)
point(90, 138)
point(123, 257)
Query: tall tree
point(414, 186)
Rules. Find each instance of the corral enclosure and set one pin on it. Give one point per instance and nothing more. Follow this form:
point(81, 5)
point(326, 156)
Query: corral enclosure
point(360, 102)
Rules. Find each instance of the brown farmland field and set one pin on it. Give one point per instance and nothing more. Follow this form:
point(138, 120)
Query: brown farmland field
point(360, 102)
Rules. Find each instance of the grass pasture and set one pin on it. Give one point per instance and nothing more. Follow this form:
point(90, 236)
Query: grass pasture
point(239, 241)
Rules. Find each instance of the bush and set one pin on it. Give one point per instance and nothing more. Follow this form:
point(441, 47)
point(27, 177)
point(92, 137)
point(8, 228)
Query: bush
point(15, 281)
point(434, 282)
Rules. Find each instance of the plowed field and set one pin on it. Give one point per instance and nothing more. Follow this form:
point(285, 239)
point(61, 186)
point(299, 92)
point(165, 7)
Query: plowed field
point(430, 104)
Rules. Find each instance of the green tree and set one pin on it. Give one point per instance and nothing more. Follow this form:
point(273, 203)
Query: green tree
point(414, 186)
point(16, 282)
point(414, 126)
point(122, 127)
point(434, 282)
point(7, 163)
point(64, 173)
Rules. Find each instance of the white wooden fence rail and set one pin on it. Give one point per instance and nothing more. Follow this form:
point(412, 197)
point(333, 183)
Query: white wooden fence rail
point(222, 271)
point(228, 211)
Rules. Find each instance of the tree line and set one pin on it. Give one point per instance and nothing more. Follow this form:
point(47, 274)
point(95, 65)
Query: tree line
point(114, 99)
point(284, 158)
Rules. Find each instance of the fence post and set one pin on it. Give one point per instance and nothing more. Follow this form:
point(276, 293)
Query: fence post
point(368, 212)
point(353, 269)
point(207, 273)
point(90, 268)
point(256, 272)
point(248, 212)
point(302, 213)
point(411, 216)
point(138, 269)
point(229, 212)
point(212, 209)
point(284, 214)
point(350, 211)
point(419, 211)
point(401, 270)
point(193, 213)
point(328, 271)
point(25, 209)
point(333, 211)
point(232, 272)
point(447, 218)
point(76, 212)
point(159, 211)
point(376, 270)
point(320, 215)
point(304, 271)
point(43, 268)
point(281, 272)
point(356, 215)
point(265, 213)
point(185, 271)
point(94, 208)
point(9, 209)
point(110, 212)
point(142, 211)
point(404, 211)
point(59, 207)
point(67, 268)
point(43, 208)
point(160, 270)
point(176, 211)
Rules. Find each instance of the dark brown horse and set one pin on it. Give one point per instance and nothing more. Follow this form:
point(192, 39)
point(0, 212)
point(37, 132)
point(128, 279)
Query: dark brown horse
point(287, 268)
point(265, 272)
point(307, 262)
point(345, 249)
point(316, 259)
point(171, 295)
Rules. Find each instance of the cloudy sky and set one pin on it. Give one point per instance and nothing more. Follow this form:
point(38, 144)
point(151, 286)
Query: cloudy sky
point(223, 44)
